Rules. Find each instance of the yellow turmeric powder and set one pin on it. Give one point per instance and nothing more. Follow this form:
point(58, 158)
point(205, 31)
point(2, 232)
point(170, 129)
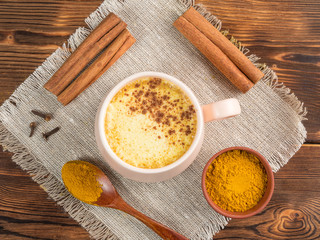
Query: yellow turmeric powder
point(236, 180)
point(79, 178)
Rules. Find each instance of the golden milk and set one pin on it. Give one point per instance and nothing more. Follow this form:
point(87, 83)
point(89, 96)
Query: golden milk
point(150, 123)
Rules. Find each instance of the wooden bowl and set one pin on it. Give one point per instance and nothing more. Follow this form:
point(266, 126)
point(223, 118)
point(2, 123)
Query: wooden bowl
point(264, 200)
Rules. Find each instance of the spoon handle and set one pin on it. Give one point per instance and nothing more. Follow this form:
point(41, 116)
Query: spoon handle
point(160, 229)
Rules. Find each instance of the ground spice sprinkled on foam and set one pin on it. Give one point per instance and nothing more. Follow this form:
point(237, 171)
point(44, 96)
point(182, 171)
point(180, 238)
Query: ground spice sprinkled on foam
point(150, 123)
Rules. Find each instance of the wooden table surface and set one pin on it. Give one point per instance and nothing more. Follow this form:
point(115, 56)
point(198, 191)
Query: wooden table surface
point(286, 34)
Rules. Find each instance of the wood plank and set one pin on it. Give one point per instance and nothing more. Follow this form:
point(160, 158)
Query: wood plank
point(31, 31)
point(45, 16)
point(25, 210)
point(285, 34)
point(293, 210)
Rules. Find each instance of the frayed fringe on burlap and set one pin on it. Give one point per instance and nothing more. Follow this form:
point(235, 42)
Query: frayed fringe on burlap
point(207, 230)
point(55, 189)
point(53, 186)
point(270, 77)
point(43, 73)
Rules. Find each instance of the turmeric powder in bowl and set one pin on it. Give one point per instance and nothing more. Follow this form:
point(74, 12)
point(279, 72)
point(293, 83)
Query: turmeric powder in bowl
point(236, 180)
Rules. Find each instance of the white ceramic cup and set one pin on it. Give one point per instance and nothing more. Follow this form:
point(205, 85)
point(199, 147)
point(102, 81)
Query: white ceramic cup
point(214, 111)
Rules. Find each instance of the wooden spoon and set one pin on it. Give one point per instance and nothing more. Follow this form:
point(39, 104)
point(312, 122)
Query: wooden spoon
point(111, 198)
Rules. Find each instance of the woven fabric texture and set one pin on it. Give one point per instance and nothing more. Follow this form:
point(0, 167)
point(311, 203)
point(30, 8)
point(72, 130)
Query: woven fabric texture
point(270, 123)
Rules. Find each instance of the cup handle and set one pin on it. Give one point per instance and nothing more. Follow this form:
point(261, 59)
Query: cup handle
point(221, 110)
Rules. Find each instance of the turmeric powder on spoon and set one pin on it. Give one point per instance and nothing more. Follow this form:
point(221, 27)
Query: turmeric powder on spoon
point(80, 179)
point(236, 181)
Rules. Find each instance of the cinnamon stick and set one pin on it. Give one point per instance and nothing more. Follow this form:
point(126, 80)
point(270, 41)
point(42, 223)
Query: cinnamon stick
point(215, 36)
point(214, 54)
point(100, 37)
point(87, 76)
point(127, 44)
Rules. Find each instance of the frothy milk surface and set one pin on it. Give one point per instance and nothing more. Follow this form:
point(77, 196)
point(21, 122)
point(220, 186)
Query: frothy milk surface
point(150, 123)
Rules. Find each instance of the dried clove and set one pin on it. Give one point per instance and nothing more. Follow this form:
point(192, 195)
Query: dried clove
point(32, 128)
point(48, 134)
point(45, 116)
point(13, 103)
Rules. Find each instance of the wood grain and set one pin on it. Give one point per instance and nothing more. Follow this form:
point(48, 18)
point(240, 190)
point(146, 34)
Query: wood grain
point(25, 210)
point(284, 33)
point(293, 212)
point(30, 31)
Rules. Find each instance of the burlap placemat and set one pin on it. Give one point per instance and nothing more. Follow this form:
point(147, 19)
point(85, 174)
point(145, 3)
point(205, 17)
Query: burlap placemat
point(270, 123)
